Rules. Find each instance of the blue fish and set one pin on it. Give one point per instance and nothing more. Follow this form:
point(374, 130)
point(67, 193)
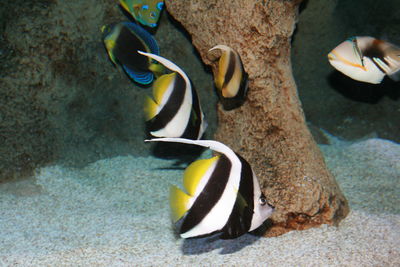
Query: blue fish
point(146, 12)
point(122, 41)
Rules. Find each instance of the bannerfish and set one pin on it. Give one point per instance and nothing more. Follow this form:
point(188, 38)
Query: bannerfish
point(147, 12)
point(366, 59)
point(222, 195)
point(174, 110)
point(231, 78)
point(122, 41)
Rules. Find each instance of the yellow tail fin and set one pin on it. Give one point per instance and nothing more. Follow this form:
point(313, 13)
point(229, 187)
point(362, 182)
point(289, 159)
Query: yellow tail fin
point(178, 201)
point(150, 108)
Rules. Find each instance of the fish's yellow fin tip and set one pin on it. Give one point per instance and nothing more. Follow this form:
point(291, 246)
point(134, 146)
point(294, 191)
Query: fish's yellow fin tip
point(157, 69)
point(150, 108)
point(178, 201)
point(195, 172)
point(161, 85)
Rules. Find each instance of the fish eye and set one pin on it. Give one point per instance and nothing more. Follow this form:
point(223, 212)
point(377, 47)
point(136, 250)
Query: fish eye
point(145, 7)
point(262, 200)
point(160, 5)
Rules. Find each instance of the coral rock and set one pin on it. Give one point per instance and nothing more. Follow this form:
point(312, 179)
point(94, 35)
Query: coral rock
point(269, 130)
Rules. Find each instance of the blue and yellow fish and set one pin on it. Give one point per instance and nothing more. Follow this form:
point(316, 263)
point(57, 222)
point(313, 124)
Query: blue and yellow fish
point(147, 12)
point(122, 41)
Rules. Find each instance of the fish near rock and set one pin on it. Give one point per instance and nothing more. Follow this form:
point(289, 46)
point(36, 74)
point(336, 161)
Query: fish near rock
point(122, 41)
point(231, 80)
point(366, 59)
point(221, 195)
point(174, 110)
point(146, 12)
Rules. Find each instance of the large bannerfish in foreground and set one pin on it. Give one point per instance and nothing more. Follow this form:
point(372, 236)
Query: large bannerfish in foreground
point(147, 12)
point(231, 78)
point(174, 110)
point(122, 41)
point(222, 195)
point(366, 59)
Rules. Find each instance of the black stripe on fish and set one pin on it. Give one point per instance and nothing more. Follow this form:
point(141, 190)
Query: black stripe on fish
point(171, 107)
point(125, 50)
point(210, 195)
point(374, 51)
point(239, 98)
point(231, 68)
point(239, 221)
point(195, 121)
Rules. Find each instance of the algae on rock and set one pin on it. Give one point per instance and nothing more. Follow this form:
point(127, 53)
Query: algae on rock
point(269, 130)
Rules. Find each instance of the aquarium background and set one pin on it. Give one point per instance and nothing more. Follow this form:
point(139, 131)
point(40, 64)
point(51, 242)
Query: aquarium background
point(332, 101)
point(64, 101)
point(72, 150)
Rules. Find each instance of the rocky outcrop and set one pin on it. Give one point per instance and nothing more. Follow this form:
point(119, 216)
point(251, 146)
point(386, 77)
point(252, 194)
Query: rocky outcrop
point(269, 130)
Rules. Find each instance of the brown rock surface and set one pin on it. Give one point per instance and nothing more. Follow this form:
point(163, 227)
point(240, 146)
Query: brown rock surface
point(269, 130)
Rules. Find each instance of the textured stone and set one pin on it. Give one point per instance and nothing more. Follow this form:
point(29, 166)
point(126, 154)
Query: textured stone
point(269, 129)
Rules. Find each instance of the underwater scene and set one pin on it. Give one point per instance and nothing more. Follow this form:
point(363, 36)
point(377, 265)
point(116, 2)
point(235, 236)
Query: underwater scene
point(200, 133)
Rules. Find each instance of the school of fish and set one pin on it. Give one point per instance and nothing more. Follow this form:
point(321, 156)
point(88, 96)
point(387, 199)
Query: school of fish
point(220, 195)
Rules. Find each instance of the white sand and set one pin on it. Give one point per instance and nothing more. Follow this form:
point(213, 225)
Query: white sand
point(115, 212)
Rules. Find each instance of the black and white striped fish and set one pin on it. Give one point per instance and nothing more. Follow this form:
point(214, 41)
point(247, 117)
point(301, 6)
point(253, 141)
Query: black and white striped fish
point(222, 195)
point(174, 110)
point(231, 78)
point(366, 59)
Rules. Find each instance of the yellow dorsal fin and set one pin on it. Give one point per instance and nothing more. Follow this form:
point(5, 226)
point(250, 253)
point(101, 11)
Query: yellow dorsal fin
point(178, 201)
point(195, 172)
point(150, 108)
point(161, 85)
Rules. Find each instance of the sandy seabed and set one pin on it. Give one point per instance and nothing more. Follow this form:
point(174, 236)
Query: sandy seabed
point(115, 212)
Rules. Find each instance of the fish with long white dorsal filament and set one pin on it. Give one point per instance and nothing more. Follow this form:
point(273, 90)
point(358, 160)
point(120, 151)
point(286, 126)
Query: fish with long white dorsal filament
point(221, 194)
point(174, 109)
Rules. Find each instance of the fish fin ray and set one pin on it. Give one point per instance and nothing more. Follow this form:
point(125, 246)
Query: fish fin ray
point(179, 202)
point(381, 64)
point(150, 108)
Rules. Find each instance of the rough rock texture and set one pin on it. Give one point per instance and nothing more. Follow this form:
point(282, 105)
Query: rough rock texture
point(269, 129)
